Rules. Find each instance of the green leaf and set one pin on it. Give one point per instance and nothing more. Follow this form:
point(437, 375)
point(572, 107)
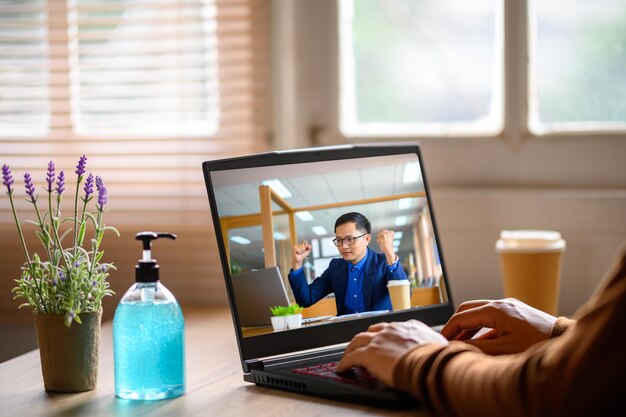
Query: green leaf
point(67, 232)
point(286, 310)
point(278, 310)
point(93, 219)
point(81, 233)
point(43, 238)
point(96, 259)
point(113, 229)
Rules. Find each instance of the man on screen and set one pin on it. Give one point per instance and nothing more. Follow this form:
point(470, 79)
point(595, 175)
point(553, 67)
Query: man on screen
point(359, 280)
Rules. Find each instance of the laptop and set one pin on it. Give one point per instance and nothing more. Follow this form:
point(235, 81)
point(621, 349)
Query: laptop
point(264, 204)
point(255, 291)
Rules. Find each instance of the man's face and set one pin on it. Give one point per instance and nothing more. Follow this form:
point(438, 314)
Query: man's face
point(352, 253)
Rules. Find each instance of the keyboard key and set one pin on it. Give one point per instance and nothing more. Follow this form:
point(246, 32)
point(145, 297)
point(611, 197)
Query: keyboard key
point(356, 375)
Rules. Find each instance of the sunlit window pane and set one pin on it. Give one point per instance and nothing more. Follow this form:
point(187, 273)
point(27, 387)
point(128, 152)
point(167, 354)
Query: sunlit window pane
point(420, 66)
point(144, 68)
point(24, 98)
point(578, 65)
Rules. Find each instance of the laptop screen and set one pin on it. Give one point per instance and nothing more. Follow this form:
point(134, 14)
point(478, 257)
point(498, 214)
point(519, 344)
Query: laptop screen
point(314, 215)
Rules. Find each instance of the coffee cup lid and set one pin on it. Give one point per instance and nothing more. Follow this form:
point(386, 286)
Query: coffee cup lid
point(530, 241)
point(398, 282)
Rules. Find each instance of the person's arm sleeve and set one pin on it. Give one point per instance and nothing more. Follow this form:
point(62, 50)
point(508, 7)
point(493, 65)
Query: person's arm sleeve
point(392, 268)
point(309, 294)
point(395, 271)
point(579, 373)
point(561, 325)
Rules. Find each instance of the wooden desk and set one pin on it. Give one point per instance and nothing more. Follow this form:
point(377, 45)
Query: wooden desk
point(213, 375)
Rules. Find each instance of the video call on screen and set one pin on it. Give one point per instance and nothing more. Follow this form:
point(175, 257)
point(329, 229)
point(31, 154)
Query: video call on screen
point(301, 202)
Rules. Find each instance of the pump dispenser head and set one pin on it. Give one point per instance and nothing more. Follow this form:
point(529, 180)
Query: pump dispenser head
point(147, 270)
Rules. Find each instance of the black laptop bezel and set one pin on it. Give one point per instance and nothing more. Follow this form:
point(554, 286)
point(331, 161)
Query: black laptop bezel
point(252, 348)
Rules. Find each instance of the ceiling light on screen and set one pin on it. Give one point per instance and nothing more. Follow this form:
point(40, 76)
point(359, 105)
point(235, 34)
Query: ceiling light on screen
point(398, 235)
point(305, 216)
point(411, 172)
point(404, 203)
point(319, 230)
point(280, 236)
point(401, 220)
point(278, 187)
point(240, 240)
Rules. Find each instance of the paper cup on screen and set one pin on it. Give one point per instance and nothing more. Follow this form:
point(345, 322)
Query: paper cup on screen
point(530, 262)
point(400, 293)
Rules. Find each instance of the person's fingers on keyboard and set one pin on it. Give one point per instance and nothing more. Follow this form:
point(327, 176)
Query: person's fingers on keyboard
point(471, 319)
point(377, 327)
point(351, 359)
point(358, 341)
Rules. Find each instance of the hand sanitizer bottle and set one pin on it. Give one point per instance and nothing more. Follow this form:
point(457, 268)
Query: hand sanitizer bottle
point(148, 334)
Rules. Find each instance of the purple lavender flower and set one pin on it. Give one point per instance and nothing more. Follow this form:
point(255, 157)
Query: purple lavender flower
point(94, 283)
point(30, 188)
point(61, 183)
point(88, 187)
point(104, 268)
point(62, 276)
point(102, 193)
point(7, 178)
point(50, 176)
point(99, 182)
point(80, 168)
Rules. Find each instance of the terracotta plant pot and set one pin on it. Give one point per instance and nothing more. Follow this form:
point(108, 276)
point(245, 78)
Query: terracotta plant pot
point(69, 355)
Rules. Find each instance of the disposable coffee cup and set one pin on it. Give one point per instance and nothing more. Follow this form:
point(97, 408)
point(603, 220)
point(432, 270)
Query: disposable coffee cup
point(530, 262)
point(400, 293)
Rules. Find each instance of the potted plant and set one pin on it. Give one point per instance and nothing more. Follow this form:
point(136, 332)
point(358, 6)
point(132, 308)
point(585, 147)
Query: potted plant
point(65, 283)
point(286, 317)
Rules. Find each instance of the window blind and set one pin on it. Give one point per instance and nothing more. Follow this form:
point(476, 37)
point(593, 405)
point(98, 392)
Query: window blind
point(147, 89)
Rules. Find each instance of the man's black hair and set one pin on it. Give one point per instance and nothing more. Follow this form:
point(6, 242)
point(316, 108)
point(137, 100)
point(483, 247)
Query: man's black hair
point(362, 224)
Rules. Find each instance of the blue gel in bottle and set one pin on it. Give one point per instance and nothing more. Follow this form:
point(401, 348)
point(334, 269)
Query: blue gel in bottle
point(148, 335)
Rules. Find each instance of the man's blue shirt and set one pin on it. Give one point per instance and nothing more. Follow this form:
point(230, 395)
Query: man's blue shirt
point(354, 297)
point(371, 274)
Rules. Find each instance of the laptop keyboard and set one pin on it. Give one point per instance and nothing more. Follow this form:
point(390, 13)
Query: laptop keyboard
point(356, 375)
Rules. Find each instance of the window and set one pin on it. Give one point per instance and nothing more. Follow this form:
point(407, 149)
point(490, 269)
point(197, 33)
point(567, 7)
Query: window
point(25, 106)
point(429, 67)
point(143, 69)
point(438, 68)
point(578, 62)
point(115, 68)
point(147, 89)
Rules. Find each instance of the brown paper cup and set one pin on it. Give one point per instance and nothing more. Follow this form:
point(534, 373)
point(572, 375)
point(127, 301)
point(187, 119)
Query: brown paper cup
point(400, 293)
point(530, 262)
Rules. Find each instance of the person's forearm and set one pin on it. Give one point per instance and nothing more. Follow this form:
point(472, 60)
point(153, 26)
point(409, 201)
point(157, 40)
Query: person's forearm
point(577, 374)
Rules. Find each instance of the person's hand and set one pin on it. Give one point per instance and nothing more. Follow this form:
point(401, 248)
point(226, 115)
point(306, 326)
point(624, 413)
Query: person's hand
point(385, 242)
point(379, 347)
point(299, 252)
point(514, 326)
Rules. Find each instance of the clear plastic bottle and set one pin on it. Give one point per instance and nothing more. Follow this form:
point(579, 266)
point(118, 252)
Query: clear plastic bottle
point(148, 335)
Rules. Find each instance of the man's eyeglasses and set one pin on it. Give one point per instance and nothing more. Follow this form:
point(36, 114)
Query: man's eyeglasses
point(350, 240)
